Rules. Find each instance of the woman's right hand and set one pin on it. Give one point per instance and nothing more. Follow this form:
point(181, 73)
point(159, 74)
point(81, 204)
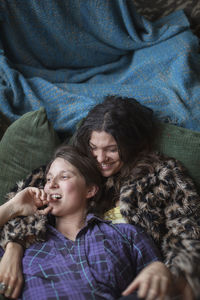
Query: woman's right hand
point(28, 201)
point(25, 203)
point(11, 270)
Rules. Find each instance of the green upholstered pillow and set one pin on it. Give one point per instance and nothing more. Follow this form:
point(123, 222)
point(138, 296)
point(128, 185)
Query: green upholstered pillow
point(182, 144)
point(27, 144)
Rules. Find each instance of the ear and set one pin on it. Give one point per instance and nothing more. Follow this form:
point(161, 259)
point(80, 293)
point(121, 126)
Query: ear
point(92, 190)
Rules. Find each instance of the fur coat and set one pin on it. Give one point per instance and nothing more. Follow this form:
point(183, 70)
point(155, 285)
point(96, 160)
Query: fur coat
point(157, 195)
point(161, 198)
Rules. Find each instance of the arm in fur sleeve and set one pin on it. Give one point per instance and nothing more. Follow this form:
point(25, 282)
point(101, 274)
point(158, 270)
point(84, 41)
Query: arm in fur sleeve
point(166, 204)
point(29, 229)
point(181, 244)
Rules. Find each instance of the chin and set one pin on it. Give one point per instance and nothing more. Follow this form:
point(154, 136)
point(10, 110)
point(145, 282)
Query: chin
point(107, 173)
point(54, 212)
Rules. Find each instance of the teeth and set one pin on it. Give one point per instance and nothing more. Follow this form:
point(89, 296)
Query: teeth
point(105, 165)
point(55, 196)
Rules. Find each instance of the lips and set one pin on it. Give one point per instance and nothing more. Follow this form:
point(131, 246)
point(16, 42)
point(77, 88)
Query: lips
point(55, 197)
point(105, 166)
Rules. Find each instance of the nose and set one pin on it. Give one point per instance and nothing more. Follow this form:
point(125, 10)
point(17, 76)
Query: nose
point(53, 183)
point(100, 156)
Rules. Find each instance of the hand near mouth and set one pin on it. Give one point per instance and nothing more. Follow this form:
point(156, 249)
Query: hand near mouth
point(29, 201)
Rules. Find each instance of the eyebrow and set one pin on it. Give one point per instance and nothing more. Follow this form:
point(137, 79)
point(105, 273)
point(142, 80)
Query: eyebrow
point(109, 146)
point(61, 172)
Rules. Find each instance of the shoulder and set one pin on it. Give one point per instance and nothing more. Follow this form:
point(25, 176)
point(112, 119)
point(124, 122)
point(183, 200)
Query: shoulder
point(128, 230)
point(155, 165)
point(136, 237)
point(124, 231)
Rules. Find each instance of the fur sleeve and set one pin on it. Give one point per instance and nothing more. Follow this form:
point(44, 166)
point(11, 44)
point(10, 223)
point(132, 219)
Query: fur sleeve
point(166, 204)
point(30, 229)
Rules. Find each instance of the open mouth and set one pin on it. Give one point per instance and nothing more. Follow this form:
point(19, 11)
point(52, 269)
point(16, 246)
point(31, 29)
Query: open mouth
point(105, 166)
point(55, 196)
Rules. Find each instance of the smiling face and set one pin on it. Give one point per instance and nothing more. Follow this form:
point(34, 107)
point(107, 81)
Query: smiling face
point(66, 189)
point(104, 148)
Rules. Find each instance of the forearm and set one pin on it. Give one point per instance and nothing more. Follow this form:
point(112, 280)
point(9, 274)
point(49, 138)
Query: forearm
point(24, 230)
point(184, 265)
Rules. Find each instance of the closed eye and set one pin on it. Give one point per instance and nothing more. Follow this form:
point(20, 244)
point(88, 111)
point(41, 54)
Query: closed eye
point(92, 148)
point(113, 150)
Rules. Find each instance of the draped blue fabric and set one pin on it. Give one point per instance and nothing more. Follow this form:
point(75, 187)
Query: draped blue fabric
point(67, 55)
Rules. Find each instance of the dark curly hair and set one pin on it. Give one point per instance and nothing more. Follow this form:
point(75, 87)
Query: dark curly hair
point(130, 123)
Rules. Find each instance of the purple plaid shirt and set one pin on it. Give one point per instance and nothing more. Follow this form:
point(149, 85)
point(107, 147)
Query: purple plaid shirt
point(99, 264)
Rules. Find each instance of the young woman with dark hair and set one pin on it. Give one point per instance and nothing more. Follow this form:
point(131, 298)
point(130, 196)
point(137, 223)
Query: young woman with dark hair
point(149, 189)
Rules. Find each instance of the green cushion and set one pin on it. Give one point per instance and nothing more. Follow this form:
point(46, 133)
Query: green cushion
point(27, 144)
point(184, 145)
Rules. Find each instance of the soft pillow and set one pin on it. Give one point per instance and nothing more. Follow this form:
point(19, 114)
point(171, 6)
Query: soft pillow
point(182, 144)
point(27, 144)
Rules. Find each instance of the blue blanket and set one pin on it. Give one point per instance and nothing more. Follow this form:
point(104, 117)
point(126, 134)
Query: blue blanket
point(67, 55)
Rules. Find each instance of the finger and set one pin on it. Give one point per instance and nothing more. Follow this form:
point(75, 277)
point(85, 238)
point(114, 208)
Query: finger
point(17, 289)
point(10, 286)
point(131, 287)
point(35, 195)
point(35, 191)
point(143, 288)
point(48, 198)
point(154, 288)
point(42, 195)
point(8, 291)
point(14, 286)
point(44, 198)
point(45, 211)
point(3, 286)
point(164, 285)
point(40, 198)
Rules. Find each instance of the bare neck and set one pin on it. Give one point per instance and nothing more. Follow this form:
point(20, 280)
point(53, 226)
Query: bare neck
point(70, 225)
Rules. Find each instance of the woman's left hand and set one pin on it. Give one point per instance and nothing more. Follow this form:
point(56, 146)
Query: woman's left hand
point(153, 282)
point(11, 270)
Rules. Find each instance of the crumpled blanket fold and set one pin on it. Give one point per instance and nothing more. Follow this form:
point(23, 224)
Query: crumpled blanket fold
point(67, 55)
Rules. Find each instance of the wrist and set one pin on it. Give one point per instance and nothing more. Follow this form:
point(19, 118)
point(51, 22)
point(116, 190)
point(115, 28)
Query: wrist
point(12, 209)
point(16, 247)
point(7, 211)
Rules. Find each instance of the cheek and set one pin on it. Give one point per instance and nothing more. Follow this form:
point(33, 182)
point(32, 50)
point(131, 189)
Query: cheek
point(115, 156)
point(46, 188)
point(69, 187)
point(93, 153)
